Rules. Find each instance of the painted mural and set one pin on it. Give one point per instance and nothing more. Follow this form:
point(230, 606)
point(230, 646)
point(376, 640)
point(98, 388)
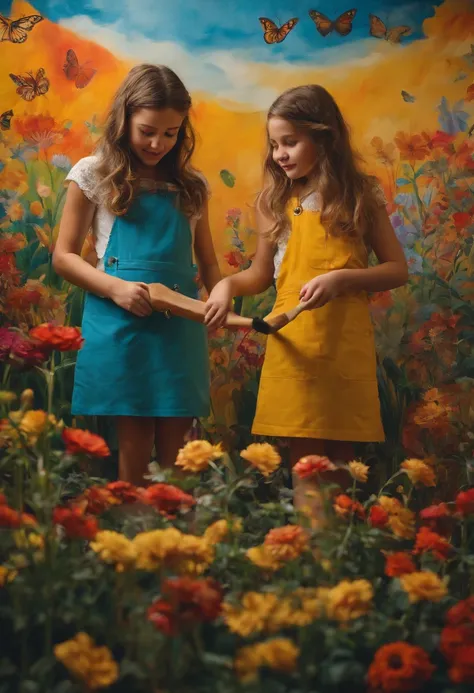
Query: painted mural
point(403, 74)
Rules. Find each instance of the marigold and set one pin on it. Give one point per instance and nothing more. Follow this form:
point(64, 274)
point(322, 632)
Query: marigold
point(76, 525)
point(219, 531)
point(286, 543)
point(7, 575)
point(437, 517)
point(462, 670)
point(263, 456)
point(461, 613)
point(424, 585)
point(359, 471)
point(9, 517)
point(349, 600)
point(399, 563)
point(419, 472)
point(34, 422)
point(57, 337)
point(399, 667)
point(96, 500)
point(94, 666)
point(454, 637)
point(196, 455)
point(378, 517)
point(280, 654)
point(465, 502)
point(167, 499)
point(263, 558)
point(313, 464)
point(401, 520)
point(124, 491)
point(80, 442)
point(345, 506)
point(185, 602)
point(114, 548)
point(185, 553)
point(252, 616)
point(426, 540)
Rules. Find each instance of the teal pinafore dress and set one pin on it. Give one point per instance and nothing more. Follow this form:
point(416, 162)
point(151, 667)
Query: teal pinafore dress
point(144, 366)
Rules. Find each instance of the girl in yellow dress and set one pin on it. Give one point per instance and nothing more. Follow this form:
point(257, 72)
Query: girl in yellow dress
point(318, 217)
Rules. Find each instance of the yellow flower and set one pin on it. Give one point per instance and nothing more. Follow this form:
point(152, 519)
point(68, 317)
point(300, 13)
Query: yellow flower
point(402, 523)
point(6, 575)
point(15, 211)
point(280, 654)
point(263, 558)
point(424, 585)
point(27, 397)
point(263, 456)
point(7, 397)
point(114, 548)
point(185, 553)
point(252, 616)
point(28, 540)
point(418, 472)
point(305, 605)
point(349, 600)
point(196, 455)
point(359, 471)
point(36, 208)
point(34, 422)
point(286, 543)
point(390, 505)
point(94, 666)
point(220, 530)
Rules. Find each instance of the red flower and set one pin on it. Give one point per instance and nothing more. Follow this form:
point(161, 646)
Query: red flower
point(465, 502)
point(454, 637)
point(167, 499)
point(56, 337)
point(461, 613)
point(186, 602)
point(76, 525)
point(79, 442)
point(462, 670)
point(124, 491)
point(96, 500)
point(436, 517)
point(344, 506)
point(313, 464)
point(461, 219)
point(378, 517)
point(399, 563)
point(9, 517)
point(19, 350)
point(426, 540)
point(399, 667)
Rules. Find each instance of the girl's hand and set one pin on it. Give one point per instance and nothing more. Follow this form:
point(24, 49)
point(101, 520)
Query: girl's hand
point(218, 304)
point(132, 296)
point(320, 290)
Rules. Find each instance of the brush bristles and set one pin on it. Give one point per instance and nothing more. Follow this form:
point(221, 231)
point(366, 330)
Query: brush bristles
point(278, 322)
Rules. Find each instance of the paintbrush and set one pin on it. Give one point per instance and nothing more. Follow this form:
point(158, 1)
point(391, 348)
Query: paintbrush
point(171, 302)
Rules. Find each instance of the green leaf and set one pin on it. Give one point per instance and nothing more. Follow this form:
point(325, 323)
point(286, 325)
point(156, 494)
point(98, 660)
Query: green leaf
point(227, 178)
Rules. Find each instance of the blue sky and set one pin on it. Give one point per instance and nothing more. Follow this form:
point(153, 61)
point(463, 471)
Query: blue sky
point(232, 25)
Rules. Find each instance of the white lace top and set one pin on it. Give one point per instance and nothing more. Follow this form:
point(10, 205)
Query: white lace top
point(84, 175)
point(313, 203)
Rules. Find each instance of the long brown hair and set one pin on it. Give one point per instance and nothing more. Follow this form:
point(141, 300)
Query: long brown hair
point(156, 87)
point(347, 202)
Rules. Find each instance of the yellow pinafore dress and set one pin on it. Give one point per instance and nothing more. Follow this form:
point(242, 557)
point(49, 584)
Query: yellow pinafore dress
point(319, 375)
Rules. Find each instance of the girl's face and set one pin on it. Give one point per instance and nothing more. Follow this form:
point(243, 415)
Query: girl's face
point(294, 150)
point(153, 134)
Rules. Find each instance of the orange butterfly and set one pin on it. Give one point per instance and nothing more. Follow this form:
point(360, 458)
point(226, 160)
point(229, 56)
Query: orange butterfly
point(343, 24)
point(379, 30)
point(29, 87)
point(15, 30)
point(80, 74)
point(273, 34)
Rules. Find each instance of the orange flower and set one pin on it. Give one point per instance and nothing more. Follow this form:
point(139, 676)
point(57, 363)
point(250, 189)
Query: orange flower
point(399, 563)
point(412, 148)
point(79, 442)
point(124, 491)
point(418, 472)
point(399, 667)
point(167, 499)
point(436, 516)
point(15, 211)
point(345, 506)
point(9, 517)
point(286, 543)
point(462, 670)
point(465, 502)
point(184, 603)
point(423, 585)
point(454, 637)
point(426, 540)
point(461, 613)
point(378, 517)
point(56, 337)
point(76, 525)
point(36, 208)
point(41, 131)
point(12, 242)
point(312, 465)
point(96, 500)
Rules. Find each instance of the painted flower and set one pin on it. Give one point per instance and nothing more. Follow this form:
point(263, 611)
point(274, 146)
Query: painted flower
point(61, 161)
point(36, 208)
point(263, 457)
point(12, 242)
point(40, 131)
point(399, 667)
point(412, 148)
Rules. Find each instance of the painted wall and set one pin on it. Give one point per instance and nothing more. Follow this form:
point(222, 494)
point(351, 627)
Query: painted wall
point(403, 76)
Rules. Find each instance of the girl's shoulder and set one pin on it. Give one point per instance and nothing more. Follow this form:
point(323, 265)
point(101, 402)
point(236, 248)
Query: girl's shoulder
point(84, 174)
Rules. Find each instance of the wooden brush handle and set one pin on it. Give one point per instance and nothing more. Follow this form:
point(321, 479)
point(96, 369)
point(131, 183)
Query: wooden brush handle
point(164, 299)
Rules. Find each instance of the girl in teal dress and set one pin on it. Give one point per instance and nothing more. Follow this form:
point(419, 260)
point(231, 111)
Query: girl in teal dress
point(148, 211)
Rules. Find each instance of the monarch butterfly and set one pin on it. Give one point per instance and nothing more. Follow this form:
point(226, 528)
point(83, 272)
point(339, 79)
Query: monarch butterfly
point(15, 30)
point(275, 34)
point(342, 25)
point(379, 30)
point(80, 74)
point(29, 87)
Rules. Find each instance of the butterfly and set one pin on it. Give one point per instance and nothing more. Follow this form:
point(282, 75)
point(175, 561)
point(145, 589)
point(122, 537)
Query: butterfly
point(342, 25)
point(80, 74)
point(469, 57)
point(5, 119)
point(393, 35)
point(409, 98)
point(15, 30)
point(274, 34)
point(29, 87)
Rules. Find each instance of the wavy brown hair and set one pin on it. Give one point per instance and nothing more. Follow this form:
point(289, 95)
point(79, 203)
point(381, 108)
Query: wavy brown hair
point(156, 87)
point(346, 191)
